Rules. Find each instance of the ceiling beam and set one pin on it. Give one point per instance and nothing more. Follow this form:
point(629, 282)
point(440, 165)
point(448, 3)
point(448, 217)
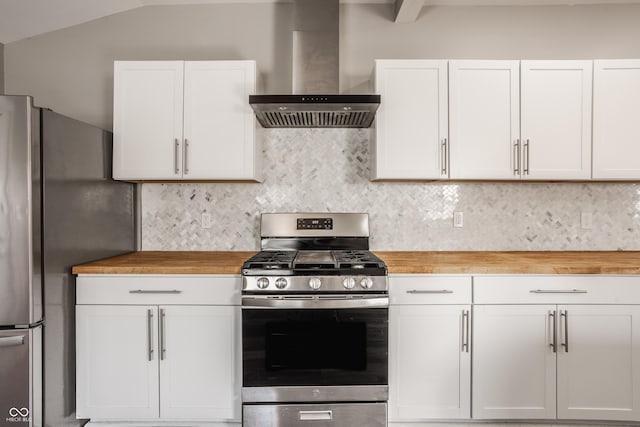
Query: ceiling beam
point(408, 10)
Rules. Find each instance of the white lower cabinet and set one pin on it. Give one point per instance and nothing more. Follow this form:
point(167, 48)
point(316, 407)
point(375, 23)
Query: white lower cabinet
point(514, 366)
point(198, 362)
point(599, 363)
point(556, 347)
point(165, 362)
point(429, 348)
point(116, 363)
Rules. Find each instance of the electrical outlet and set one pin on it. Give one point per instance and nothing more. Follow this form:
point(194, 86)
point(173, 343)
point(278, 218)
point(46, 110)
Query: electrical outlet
point(586, 220)
point(458, 219)
point(206, 220)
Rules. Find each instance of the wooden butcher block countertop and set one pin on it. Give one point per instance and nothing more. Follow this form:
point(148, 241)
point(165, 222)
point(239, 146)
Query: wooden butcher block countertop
point(152, 262)
point(157, 262)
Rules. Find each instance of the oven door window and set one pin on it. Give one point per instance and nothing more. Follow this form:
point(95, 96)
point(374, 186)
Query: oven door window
point(314, 347)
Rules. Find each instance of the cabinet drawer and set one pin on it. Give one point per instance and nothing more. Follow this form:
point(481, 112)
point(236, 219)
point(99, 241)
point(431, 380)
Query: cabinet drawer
point(158, 289)
point(431, 289)
point(556, 289)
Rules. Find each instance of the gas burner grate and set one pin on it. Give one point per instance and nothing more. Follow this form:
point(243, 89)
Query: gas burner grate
point(271, 260)
point(357, 259)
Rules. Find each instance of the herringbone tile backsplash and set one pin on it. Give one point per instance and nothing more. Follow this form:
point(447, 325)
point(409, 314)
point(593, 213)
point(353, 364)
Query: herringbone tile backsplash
point(327, 170)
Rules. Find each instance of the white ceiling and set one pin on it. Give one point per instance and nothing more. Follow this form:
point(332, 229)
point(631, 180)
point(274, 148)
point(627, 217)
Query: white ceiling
point(20, 19)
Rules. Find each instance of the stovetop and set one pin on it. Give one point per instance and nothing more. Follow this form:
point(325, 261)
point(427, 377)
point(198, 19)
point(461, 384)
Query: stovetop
point(314, 262)
point(314, 253)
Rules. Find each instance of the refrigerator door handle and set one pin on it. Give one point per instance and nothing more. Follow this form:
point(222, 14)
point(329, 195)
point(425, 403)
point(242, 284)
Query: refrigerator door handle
point(12, 341)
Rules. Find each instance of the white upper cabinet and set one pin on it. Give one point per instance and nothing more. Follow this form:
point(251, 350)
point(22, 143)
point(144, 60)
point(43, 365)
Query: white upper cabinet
point(527, 120)
point(185, 120)
point(556, 119)
point(411, 129)
point(484, 119)
point(616, 119)
point(147, 120)
point(219, 123)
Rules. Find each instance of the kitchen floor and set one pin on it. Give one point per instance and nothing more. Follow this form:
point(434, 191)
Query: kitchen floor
point(521, 424)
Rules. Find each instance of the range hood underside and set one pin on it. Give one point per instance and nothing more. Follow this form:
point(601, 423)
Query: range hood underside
point(315, 111)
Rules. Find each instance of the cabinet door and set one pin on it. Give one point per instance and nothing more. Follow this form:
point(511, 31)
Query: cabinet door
point(556, 119)
point(200, 362)
point(117, 362)
point(412, 121)
point(616, 128)
point(514, 362)
point(147, 120)
point(484, 119)
point(429, 359)
point(599, 371)
point(219, 123)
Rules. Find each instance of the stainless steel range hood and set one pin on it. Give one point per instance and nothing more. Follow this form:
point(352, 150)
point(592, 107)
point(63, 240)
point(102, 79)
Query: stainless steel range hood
point(315, 101)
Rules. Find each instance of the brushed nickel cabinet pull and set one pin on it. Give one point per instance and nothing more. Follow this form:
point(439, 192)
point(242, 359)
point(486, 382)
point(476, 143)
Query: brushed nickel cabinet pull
point(161, 333)
point(438, 291)
point(155, 291)
point(558, 291)
point(150, 333)
point(565, 344)
point(465, 334)
point(176, 154)
point(516, 157)
point(445, 156)
point(554, 343)
point(526, 154)
point(186, 156)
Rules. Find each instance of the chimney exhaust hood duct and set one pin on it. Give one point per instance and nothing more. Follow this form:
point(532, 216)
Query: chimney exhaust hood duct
point(316, 102)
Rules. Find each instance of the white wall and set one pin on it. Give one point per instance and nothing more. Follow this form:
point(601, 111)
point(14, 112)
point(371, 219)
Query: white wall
point(70, 70)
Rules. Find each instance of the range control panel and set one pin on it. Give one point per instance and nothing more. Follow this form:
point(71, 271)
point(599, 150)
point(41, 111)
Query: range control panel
point(315, 223)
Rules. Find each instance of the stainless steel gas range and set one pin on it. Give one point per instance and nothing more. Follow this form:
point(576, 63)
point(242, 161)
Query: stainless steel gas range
point(315, 310)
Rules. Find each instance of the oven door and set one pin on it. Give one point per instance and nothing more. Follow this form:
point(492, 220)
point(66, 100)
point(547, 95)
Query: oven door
point(326, 348)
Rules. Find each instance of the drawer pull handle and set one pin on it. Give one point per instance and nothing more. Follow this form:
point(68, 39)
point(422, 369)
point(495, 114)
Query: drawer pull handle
point(439, 291)
point(12, 341)
point(155, 291)
point(558, 291)
point(315, 415)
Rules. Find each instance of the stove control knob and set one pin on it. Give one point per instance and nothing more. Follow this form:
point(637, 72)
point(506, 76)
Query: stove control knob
point(281, 283)
point(366, 283)
point(262, 283)
point(315, 283)
point(349, 282)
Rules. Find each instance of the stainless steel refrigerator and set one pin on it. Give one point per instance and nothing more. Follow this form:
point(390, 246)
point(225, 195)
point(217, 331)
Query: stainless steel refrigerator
point(58, 207)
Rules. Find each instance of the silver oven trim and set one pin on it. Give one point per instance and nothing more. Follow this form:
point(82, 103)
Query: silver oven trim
point(328, 301)
point(358, 393)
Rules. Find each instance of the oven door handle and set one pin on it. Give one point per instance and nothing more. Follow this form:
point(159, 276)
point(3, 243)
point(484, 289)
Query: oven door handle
point(338, 302)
